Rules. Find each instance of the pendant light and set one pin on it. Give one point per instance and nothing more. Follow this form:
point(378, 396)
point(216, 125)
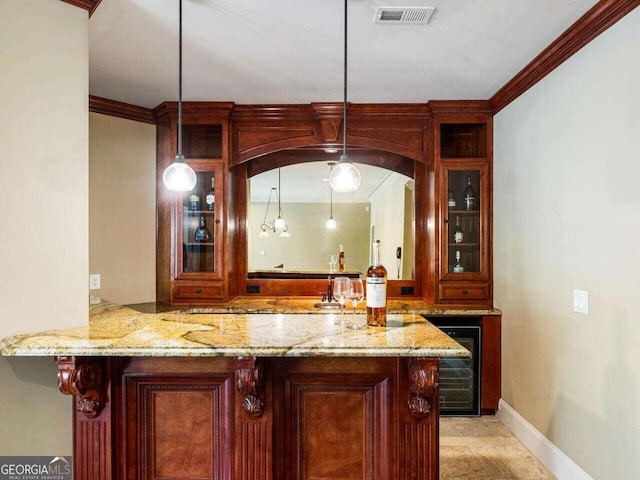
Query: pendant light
point(278, 223)
point(345, 177)
point(179, 176)
point(331, 223)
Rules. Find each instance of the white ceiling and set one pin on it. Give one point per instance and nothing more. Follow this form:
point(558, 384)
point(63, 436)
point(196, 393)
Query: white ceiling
point(291, 51)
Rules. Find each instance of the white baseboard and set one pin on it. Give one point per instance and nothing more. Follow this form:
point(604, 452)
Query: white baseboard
point(546, 452)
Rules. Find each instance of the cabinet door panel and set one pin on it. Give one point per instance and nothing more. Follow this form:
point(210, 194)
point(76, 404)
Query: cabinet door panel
point(336, 427)
point(179, 428)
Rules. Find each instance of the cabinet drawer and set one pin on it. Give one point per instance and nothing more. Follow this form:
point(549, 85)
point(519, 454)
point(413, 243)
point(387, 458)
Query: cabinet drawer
point(464, 292)
point(195, 291)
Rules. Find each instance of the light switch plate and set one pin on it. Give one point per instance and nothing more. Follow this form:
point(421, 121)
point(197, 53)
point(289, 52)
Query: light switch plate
point(94, 281)
point(581, 301)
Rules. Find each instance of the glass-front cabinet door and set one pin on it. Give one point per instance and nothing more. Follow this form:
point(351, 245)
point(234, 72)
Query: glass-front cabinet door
point(464, 226)
point(200, 233)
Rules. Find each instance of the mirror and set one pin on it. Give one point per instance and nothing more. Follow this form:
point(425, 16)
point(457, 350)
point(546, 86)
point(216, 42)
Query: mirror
point(381, 209)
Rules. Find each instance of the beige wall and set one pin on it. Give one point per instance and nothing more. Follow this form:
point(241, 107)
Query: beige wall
point(567, 216)
point(389, 216)
point(311, 243)
point(122, 216)
point(44, 184)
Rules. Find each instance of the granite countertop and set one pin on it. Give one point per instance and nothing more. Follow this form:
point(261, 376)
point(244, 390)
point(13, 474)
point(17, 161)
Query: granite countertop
point(249, 304)
point(114, 330)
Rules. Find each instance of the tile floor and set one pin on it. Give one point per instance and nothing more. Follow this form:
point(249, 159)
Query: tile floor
point(483, 449)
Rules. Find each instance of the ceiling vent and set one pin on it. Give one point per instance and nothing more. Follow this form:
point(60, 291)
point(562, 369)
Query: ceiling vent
point(403, 15)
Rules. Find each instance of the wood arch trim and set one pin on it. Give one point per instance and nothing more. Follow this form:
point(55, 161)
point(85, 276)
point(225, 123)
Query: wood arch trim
point(400, 129)
point(598, 19)
point(389, 161)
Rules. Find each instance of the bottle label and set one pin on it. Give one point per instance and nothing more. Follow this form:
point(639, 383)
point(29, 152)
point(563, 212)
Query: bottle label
point(210, 199)
point(458, 268)
point(470, 202)
point(376, 292)
point(457, 237)
point(452, 203)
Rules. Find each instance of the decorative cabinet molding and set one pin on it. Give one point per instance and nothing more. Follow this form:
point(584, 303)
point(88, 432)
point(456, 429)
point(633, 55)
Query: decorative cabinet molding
point(423, 387)
point(84, 378)
point(249, 382)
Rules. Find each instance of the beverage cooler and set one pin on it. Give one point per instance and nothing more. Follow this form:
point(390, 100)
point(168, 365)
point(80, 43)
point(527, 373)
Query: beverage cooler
point(460, 377)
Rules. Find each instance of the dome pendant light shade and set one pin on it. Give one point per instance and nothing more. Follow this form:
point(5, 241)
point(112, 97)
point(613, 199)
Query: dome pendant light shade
point(331, 223)
point(345, 177)
point(179, 177)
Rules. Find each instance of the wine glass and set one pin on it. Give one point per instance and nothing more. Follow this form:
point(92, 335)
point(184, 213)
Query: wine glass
point(333, 260)
point(341, 289)
point(356, 294)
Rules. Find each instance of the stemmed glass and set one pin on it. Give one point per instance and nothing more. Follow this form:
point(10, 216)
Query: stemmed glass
point(356, 293)
point(333, 260)
point(341, 291)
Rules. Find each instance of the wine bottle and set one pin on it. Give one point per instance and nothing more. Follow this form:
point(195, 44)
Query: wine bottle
point(376, 290)
point(341, 264)
point(210, 197)
point(469, 196)
point(458, 268)
point(202, 232)
point(457, 232)
point(452, 199)
point(194, 202)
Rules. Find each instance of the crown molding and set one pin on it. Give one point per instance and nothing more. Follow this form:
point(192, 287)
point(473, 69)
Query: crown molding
point(89, 5)
point(121, 109)
point(599, 18)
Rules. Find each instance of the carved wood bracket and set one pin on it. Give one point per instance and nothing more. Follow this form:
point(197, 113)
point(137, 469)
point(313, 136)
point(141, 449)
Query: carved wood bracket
point(249, 380)
point(84, 378)
point(424, 378)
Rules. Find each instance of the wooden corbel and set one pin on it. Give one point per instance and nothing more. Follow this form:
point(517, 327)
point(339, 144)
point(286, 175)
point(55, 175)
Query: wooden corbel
point(83, 377)
point(423, 387)
point(250, 384)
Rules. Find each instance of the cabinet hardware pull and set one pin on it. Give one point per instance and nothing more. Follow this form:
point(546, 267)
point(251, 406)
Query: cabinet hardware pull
point(198, 291)
point(464, 292)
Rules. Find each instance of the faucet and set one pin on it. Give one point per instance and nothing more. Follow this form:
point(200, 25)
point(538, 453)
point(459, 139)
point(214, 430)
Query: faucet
point(328, 295)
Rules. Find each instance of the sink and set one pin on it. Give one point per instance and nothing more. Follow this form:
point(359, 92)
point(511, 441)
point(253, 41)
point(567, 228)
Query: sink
point(327, 305)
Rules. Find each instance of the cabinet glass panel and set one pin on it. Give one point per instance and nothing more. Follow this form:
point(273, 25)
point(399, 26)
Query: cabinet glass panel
point(199, 226)
point(463, 220)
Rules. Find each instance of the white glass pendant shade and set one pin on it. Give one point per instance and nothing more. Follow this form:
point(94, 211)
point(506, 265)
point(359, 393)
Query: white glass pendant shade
point(345, 177)
point(285, 234)
point(179, 177)
point(279, 223)
point(331, 223)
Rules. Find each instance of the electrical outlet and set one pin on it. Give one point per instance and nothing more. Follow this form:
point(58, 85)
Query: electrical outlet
point(94, 281)
point(581, 301)
point(93, 300)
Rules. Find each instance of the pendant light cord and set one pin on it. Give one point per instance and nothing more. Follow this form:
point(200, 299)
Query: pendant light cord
point(180, 78)
point(330, 195)
point(279, 191)
point(344, 111)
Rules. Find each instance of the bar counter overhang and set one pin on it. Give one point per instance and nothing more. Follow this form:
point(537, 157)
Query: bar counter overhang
point(250, 396)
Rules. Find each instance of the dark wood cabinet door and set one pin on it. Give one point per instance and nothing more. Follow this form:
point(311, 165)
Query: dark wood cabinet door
point(333, 424)
point(177, 426)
